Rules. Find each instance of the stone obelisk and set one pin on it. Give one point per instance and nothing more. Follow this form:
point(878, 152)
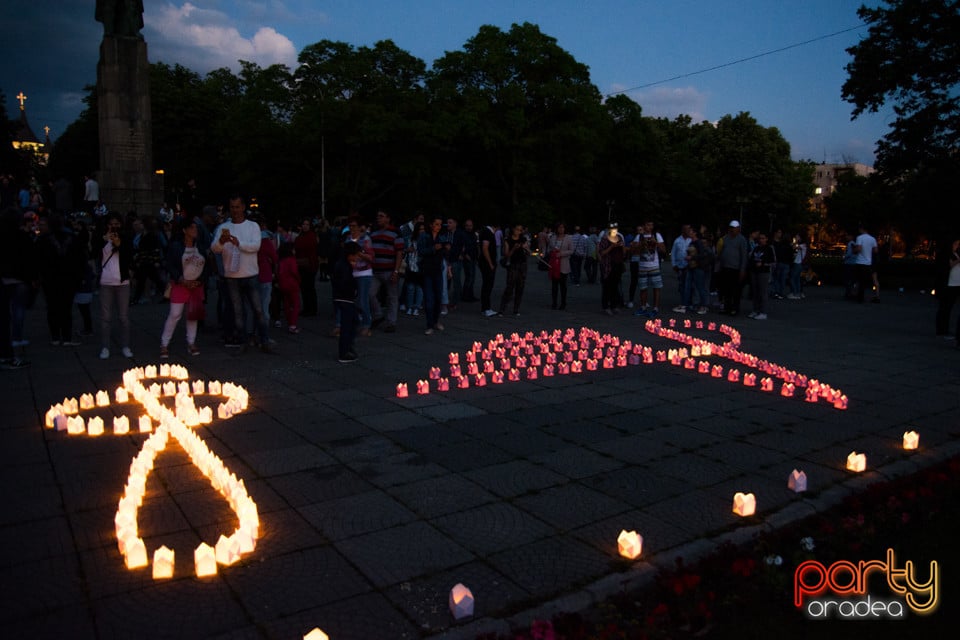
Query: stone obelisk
point(127, 181)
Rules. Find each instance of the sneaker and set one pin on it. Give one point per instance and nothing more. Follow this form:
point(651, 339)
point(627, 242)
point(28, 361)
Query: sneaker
point(126, 352)
point(293, 329)
point(680, 309)
point(348, 357)
point(416, 313)
point(752, 314)
point(439, 327)
point(193, 350)
point(489, 313)
point(409, 312)
point(760, 316)
point(701, 311)
point(629, 305)
point(428, 332)
point(444, 311)
point(641, 312)
point(793, 296)
point(403, 308)
point(104, 353)
point(366, 333)
point(653, 313)
point(609, 312)
point(55, 343)
point(20, 343)
point(164, 353)
point(277, 324)
point(71, 343)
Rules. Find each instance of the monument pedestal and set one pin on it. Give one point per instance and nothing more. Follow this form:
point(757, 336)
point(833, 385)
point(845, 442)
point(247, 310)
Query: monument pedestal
point(126, 140)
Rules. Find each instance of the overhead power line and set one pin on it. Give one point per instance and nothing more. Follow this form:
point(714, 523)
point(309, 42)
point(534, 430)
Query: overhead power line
point(733, 62)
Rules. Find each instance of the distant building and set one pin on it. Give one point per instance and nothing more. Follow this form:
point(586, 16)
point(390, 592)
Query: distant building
point(826, 177)
point(25, 140)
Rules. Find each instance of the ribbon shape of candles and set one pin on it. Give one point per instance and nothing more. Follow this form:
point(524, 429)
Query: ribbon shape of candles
point(564, 352)
point(176, 423)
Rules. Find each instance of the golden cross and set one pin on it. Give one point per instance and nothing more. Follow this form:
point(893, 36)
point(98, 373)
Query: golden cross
point(46, 130)
point(21, 98)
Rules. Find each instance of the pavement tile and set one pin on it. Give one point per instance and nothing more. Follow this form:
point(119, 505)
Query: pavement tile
point(514, 478)
point(399, 468)
point(635, 449)
point(431, 435)
point(362, 617)
point(657, 535)
point(176, 609)
point(74, 622)
point(273, 462)
point(464, 456)
point(441, 495)
point(35, 540)
point(541, 567)
point(41, 587)
point(577, 462)
point(294, 582)
point(743, 455)
point(391, 556)
point(492, 527)
point(281, 532)
point(695, 469)
point(694, 511)
point(393, 421)
point(426, 600)
point(582, 432)
point(357, 514)
point(636, 485)
point(570, 506)
point(316, 485)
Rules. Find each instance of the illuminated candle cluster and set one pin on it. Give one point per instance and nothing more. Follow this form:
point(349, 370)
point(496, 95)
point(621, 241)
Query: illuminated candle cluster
point(176, 423)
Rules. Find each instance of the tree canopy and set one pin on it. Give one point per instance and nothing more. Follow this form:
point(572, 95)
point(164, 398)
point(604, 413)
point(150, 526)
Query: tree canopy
point(508, 128)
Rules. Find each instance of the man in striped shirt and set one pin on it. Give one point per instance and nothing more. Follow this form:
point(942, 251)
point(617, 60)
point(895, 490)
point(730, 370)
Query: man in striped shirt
point(387, 255)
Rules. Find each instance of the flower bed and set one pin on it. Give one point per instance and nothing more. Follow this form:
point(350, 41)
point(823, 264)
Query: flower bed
point(747, 591)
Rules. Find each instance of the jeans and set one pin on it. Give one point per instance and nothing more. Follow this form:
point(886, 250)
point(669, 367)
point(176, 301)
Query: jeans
point(696, 280)
point(456, 285)
point(432, 296)
point(730, 287)
point(576, 266)
point(778, 285)
point(347, 311)
point(19, 295)
point(363, 300)
point(487, 276)
point(114, 297)
point(947, 297)
point(796, 287)
point(414, 291)
point(516, 281)
point(634, 279)
point(758, 290)
point(247, 290)
point(610, 296)
point(590, 266)
point(386, 280)
point(559, 285)
point(265, 290)
point(469, 277)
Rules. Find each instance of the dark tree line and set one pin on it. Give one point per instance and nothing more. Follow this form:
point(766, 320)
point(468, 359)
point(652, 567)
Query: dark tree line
point(510, 127)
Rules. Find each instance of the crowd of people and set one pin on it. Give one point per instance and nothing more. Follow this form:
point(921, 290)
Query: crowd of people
point(267, 276)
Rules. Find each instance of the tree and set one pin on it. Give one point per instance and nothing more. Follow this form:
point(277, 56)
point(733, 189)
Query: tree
point(517, 116)
point(911, 58)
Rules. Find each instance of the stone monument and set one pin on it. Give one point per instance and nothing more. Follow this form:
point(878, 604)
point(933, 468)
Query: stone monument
point(127, 181)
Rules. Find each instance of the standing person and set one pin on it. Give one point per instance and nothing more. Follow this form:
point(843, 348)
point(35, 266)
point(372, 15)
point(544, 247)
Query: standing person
point(488, 267)
point(15, 248)
point(796, 268)
point(470, 258)
point(413, 285)
point(432, 247)
point(305, 247)
point(388, 249)
point(646, 249)
point(455, 260)
point(731, 268)
point(516, 246)
point(186, 262)
point(324, 250)
point(268, 262)
point(561, 248)
point(699, 265)
point(678, 258)
point(362, 271)
point(238, 241)
point(288, 279)
point(61, 258)
point(91, 194)
point(116, 262)
point(850, 269)
point(611, 252)
point(783, 252)
point(948, 289)
point(590, 257)
point(576, 259)
point(762, 259)
point(344, 287)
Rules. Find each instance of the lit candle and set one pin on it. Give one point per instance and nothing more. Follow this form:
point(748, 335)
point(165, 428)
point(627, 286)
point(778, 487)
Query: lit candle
point(911, 440)
point(629, 544)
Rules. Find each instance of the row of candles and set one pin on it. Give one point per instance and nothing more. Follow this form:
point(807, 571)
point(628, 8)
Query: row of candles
point(562, 353)
point(177, 423)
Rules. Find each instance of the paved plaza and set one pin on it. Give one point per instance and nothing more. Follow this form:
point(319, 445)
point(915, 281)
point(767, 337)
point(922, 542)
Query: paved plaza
point(372, 507)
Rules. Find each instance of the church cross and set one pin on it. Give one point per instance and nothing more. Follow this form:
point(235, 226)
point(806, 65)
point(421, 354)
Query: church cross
point(21, 98)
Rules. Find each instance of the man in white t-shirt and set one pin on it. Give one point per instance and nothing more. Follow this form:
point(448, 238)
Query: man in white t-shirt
point(645, 250)
point(865, 249)
point(238, 241)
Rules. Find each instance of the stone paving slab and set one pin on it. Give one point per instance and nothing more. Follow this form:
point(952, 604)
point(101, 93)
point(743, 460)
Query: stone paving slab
point(372, 506)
